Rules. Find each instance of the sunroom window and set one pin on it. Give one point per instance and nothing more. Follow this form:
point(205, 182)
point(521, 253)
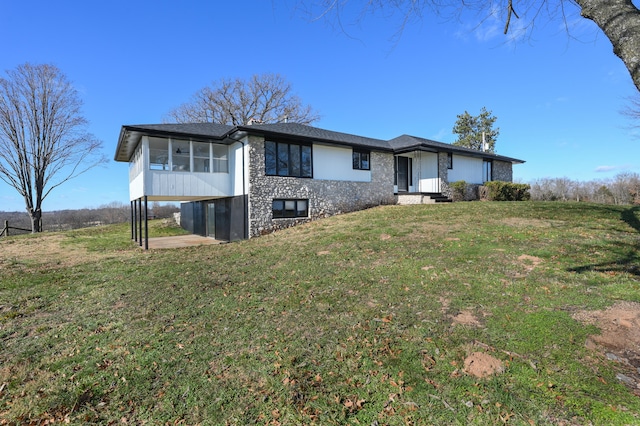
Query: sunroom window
point(220, 159)
point(201, 162)
point(158, 154)
point(181, 155)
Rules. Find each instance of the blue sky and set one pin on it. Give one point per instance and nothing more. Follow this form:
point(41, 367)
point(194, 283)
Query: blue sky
point(557, 98)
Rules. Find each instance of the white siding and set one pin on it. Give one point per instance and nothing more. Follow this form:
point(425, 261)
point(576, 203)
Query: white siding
point(428, 173)
point(163, 183)
point(467, 169)
point(239, 174)
point(177, 184)
point(136, 187)
point(334, 163)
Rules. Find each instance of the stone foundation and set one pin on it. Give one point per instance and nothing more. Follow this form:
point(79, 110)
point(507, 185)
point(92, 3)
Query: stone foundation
point(326, 197)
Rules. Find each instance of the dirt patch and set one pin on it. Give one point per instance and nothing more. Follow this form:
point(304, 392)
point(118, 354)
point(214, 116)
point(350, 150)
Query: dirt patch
point(526, 263)
point(619, 339)
point(480, 364)
point(466, 318)
point(45, 250)
point(530, 262)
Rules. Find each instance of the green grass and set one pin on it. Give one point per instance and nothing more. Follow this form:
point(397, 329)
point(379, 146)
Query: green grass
point(346, 320)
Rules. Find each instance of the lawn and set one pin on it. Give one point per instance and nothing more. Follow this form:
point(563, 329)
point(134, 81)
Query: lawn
point(373, 318)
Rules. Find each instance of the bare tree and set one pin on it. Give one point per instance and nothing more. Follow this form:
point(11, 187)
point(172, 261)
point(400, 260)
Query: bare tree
point(266, 98)
point(43, 142)
point(618, 19)
point(623, 189)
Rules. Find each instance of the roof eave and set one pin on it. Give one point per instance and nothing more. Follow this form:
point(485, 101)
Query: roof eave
point(126, 147)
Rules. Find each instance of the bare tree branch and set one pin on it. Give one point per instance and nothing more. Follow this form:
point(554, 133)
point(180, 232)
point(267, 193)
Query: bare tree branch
point(43, 142)
point(618, 19)
point(266, 97)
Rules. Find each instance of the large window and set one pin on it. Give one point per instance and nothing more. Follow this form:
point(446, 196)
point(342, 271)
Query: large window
point(287, 159)
point(290, 208)
point(361, 160)
point(187, 156)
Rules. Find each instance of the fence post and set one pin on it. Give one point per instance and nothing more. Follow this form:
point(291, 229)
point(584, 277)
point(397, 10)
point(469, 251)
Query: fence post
point(6, 228)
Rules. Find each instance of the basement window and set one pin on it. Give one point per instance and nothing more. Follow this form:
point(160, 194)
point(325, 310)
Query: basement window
point(284, 209)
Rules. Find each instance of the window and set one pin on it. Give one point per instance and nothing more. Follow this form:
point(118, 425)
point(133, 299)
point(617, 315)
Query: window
point(487, 171)
point(180, 157)
point(158, 154)
point(287, 159)
point(361, 160)
point(449, 161)
point(187, 156)
point(201, 157)
point(290, 208)
point(220, 159)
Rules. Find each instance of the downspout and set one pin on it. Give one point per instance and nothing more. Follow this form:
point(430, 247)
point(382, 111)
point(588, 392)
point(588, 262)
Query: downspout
point(245, 197)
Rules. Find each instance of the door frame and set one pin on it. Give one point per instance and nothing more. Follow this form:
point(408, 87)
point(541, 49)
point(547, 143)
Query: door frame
point(404, 180)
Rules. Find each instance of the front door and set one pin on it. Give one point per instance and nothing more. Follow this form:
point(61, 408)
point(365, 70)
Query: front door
point(403, 173)
point(211, 220)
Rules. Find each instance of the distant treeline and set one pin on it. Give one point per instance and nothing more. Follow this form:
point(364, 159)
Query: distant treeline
point(61, 220)
point(622, 190)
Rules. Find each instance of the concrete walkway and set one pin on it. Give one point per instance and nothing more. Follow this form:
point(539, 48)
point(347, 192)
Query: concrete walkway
point(180, 241)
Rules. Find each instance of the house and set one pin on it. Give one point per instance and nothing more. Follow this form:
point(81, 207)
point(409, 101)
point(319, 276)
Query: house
point(238, 182)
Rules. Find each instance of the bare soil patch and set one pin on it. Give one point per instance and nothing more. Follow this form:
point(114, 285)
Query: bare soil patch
point(466, 318)
point(480, 364)
point(526, 263)
point(45, 250)
point(619, 339)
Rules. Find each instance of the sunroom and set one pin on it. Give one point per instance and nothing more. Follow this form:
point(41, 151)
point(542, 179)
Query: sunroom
point(164, 166)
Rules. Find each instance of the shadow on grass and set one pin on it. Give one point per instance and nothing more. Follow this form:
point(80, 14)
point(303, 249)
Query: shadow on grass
point(629, 262)
point(629, 216)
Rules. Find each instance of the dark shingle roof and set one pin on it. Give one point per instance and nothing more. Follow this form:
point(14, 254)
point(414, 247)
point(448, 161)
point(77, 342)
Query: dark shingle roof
point(205, 130)
point(130, 136)
point(406, 143)
point(315, 134)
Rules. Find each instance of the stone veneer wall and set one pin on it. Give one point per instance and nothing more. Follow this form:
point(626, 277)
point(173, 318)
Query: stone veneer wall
point(502, 171)
point(443, 174)
point(326, 197)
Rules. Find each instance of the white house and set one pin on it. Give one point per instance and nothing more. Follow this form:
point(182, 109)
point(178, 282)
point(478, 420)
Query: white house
point(237, 182)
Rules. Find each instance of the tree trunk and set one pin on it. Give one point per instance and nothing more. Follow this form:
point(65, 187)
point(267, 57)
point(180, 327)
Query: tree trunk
point(36, 220)
point(620, 22)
